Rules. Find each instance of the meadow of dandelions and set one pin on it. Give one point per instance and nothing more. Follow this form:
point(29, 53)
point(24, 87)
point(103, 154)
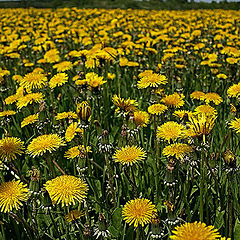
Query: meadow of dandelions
point(119, 124)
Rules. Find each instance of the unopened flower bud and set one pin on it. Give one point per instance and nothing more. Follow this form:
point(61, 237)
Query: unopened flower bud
point(229, 157)
point(84, 111)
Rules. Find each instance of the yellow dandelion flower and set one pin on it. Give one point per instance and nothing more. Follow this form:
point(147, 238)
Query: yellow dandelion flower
point(174, 100)
point(29, 99)
point(81, 82)
point(77, 151)
point(92, 62)
point(138, 211)
point(233, 109)
point(212, 97)
point(11, 99)
point(202, 124)
point(111, 76)
point(235, 124)
point(29, 120)
point(73, 215)
point(197, 95)
point(145, 73)
point(206, 109)
point(68, 115)
point(182, 114)
point(72, 130)
point(14, 98)
point(222, 76)
point(196, 231)
point(17, 78)
point(63, 66)
point(33, 80)
point(52, 56)
point(151, 80)
point(178, 150)
point(58, 80)
point(232, 60)
point(170, 131)
point(127, 105)
point(44, 143)
point(129, 155)
point(141, 118)
point(66, 190)
point(10, 147)
point(75, 78)
point(132, 64)
point(157, 109)
point(7, 113)
point(94, 80)
point(234, 91)
point(12, 194)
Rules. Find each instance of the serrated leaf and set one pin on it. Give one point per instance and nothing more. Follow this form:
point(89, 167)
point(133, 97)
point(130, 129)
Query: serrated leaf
point(219, 221)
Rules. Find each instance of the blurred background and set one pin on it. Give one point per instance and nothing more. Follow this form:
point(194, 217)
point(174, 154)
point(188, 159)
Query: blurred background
point(134, 4)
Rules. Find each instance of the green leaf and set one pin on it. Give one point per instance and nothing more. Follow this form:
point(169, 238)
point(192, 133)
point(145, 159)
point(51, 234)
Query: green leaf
point(236, 231)
point(114, 232)
point(219, 221)
point(117, 218)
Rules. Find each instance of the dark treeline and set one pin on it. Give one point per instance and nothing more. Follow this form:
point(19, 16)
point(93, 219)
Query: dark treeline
point(135, 4)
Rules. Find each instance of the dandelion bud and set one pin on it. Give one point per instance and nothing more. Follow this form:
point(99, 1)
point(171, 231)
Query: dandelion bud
point(169, 205)
point(87, 231)
point(34, 174)
point(229, 157)
point(84, 110)
point(102, 222)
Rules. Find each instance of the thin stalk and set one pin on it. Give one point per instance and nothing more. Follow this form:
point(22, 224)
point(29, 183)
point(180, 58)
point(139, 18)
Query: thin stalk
point(134, 181)
point(110, 178)
point(2, 177)
point(96, 164)
point(154, 124)
point(230, 208)
point(85, 147)
point(138, 233)
point(213, 175)
point(223, 143)
point(14, 167)
point(20, 219)
point(140, 136)
point(201, 189)
point(58, 167)
point(131, 182)
point(3, 232)
point(99, 107)
point(86, 213)
point(54, 224)
point(50, 166)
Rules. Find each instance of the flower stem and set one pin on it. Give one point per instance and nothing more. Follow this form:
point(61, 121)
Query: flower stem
point(54, 223)
point(138, 233)
point(134, 181)
point(133, 184)
point(230, 207)
point(110, 180)
point(202, 178)
point(19, 218)
point(3, 232)
point(58, 167)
